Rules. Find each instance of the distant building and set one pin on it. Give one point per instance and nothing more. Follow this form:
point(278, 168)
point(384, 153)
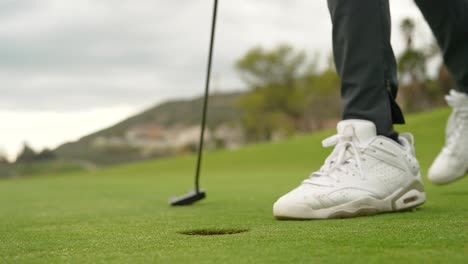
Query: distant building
point(190, 136)
point(153, 137)
point(232, 137)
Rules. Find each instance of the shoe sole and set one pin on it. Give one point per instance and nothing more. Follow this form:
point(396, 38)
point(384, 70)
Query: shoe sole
point(401, 200)
point(447, 179)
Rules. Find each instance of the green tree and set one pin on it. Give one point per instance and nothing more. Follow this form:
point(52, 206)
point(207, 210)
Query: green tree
point(3, 158)
point(27, 154)
point(412, 70)
point(278, 66)
point(275, 102)
point(46, 154)
point(412, 61)
point(322, 95)
point(407, 28)
point(287, 92)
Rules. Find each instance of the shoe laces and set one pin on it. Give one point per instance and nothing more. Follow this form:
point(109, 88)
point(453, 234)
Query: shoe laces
point(460, 124)
point(346, 156)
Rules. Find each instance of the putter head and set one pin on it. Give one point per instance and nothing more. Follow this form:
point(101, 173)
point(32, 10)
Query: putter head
point(188, 199)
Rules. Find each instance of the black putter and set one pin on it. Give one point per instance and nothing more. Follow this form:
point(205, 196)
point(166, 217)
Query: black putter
point(198, 194)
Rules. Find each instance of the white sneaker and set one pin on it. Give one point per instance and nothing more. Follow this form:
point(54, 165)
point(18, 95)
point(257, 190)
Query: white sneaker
point(365, 174)
point(452, 162)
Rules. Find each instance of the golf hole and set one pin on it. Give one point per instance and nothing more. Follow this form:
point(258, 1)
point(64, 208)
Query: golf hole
point(213, 232)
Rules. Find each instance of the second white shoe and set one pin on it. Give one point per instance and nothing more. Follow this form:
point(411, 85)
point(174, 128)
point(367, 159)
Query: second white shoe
point(365, 174)
point(452, 162)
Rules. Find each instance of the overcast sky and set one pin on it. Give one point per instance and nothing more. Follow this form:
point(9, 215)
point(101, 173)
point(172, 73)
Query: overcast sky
point(69, 67)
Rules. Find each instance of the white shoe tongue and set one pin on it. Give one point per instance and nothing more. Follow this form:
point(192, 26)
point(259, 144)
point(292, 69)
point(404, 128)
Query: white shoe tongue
point(362, 130)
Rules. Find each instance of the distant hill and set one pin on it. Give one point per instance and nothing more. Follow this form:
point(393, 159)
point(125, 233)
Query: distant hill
point(178, 112)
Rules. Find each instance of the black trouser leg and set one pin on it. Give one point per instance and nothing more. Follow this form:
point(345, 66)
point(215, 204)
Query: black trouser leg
point(365, 62)
point(449, 22)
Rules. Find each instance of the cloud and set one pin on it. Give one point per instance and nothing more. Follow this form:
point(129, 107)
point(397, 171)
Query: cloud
point(70, 55)
point(70, 60)
point(52, 128)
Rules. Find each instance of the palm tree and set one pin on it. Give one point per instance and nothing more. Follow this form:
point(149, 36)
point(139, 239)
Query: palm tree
point(412, 70)
point(407, 28)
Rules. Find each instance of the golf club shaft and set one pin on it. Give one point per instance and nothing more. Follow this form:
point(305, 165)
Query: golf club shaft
point(205, 99)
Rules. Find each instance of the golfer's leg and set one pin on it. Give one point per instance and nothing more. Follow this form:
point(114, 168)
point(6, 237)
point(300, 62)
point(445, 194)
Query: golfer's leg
point(365, 62)
point(449, 22)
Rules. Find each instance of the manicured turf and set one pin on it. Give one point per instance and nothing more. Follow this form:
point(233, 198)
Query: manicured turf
point(121, 214)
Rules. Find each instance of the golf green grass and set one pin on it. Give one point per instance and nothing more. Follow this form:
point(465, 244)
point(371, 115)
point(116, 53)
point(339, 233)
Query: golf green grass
point(120, 214)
